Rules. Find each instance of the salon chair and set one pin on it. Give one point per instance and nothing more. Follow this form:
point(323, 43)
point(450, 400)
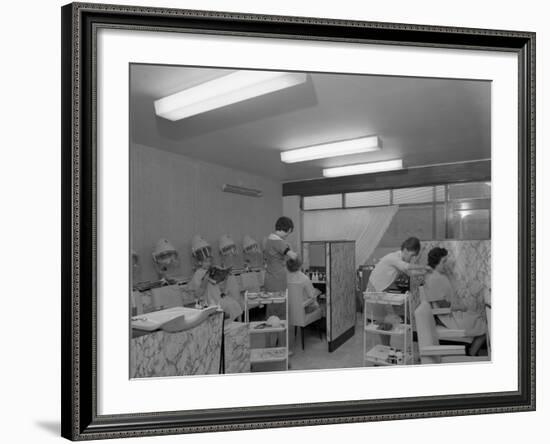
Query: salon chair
point(297, 312)
point(430, 350)
point(444, 333)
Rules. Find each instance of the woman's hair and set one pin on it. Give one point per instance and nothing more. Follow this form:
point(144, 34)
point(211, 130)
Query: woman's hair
point(284, 224)
point(293, 265)
point(435, 255)
point(411, 244)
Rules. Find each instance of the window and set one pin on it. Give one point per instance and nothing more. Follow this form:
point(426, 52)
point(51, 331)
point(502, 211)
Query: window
point(322, 202)
point(413, 195)
point(440, 191)
point(410, 220)
point(368, 198)
point(478, 190)
point(459, 211)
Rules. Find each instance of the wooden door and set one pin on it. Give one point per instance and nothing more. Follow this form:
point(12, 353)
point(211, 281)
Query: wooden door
point(341, 310)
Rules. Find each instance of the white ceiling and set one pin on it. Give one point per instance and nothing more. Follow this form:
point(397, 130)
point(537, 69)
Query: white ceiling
point(424, 121)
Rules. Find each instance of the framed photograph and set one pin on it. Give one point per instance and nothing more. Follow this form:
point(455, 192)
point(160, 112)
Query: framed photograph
point(274, 221)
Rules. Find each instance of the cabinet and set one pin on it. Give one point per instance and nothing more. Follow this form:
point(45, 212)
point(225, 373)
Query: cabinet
point(268, 354)
point(400, 333)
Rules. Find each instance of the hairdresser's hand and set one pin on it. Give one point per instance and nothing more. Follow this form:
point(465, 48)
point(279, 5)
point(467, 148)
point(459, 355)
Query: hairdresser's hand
point(291, 254)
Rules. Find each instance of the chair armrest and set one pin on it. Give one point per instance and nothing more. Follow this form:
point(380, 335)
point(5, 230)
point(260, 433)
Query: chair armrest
point(441, 311)
point(447, 333)
point(308, 302)
point(442, 350)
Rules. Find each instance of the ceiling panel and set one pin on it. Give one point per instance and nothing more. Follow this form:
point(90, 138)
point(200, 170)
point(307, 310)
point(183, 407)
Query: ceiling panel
point(422, 120)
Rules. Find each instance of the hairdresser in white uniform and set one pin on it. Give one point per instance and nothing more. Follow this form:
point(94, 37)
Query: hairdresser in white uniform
point(386, 271)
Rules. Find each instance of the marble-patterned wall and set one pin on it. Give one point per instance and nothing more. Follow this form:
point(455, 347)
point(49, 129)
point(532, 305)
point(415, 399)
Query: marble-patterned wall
point(468, 268)
point(192, 352)
point(341, 298)
point(237, 347)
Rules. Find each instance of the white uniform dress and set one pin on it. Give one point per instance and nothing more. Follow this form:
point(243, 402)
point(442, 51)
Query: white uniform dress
point(438, 287)
point(386, 271)
point(384, 274)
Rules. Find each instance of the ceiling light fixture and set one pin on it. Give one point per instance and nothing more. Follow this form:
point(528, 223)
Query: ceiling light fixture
point(223, 91)
point(332, 149)
point(364, 168)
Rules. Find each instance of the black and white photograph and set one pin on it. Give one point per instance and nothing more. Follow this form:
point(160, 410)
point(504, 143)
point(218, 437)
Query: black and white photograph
point(285, 221)
point(296, 218)
point(275, 222)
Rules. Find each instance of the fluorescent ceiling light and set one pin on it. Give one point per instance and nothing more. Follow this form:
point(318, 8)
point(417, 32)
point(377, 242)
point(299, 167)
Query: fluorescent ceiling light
point(223, 91)
point(364, 168)
point(332, 149)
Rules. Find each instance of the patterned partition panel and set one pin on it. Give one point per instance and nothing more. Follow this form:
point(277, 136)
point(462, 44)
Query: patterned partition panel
point(341, 302)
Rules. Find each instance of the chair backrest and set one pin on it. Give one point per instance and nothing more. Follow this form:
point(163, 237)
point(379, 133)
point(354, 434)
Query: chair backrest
point(296, 311)
point(426, 331)
point(167, 297)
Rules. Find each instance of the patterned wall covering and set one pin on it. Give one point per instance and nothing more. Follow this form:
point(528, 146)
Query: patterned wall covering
point(341, 302)
point(154, 360)
point(469, 270)
point(237, 347)
point(191, 352)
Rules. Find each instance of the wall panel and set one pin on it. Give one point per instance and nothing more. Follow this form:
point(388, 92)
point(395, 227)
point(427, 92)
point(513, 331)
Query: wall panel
point(176, 197)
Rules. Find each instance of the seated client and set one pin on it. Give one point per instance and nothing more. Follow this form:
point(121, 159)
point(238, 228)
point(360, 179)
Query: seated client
point(440, 294)
point(296, 276)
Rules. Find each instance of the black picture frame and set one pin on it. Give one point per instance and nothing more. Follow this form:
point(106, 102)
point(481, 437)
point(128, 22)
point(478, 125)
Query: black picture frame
point(80, 420)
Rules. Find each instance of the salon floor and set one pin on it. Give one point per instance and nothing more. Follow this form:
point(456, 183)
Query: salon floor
point(317, 356)
point(348, 355)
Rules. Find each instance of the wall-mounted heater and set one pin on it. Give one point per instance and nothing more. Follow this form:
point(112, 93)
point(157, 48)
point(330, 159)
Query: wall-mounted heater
point(242, 190)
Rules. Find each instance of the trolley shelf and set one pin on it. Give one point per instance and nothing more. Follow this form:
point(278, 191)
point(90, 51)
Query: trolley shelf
point(397, 331)
point(255, 327)
point(382, 354)
point(273, 354)
point(383, 298)
point(260, 354)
